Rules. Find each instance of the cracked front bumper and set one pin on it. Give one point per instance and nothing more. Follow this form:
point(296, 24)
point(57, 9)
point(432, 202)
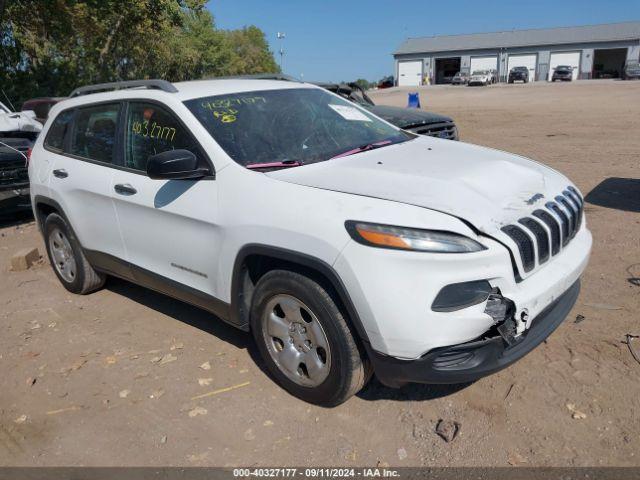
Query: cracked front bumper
point(470, 361)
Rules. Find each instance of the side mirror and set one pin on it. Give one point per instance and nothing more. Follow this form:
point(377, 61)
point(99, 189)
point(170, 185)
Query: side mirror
point(176, 165)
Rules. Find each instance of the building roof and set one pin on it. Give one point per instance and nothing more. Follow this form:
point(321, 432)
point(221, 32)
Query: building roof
point(609, 32)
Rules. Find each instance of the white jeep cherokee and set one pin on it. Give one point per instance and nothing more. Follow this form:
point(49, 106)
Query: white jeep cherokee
point(345, 245)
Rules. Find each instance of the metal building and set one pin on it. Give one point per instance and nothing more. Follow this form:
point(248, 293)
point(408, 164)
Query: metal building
point(594, 51)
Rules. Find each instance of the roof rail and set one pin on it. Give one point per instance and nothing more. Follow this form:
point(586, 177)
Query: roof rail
point(102, 87)
point(257, 76)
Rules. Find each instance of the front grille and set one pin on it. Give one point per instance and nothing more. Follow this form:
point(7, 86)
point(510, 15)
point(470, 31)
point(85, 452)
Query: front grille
point(564, 221)
point(524, 243)
point(445, 130)
point(548, 230)
point(13, 172)
point(542, 239)
point(553, 227)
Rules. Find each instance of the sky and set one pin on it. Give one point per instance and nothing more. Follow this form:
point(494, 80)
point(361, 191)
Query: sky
point(331, 40)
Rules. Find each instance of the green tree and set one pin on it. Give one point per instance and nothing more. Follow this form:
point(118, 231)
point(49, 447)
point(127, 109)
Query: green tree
point(50, 47)
point(363, 84)
point(251, 52)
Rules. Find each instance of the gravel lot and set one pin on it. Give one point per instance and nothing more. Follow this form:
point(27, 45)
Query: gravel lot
point(120, 377)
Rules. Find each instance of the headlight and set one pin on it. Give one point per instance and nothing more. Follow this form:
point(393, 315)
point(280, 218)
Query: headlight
point(401, 238)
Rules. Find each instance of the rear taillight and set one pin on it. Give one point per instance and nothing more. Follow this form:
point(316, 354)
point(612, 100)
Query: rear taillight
point(28, 156)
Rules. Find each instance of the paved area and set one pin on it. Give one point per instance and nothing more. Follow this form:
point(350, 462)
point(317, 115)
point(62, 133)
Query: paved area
point(128, 377)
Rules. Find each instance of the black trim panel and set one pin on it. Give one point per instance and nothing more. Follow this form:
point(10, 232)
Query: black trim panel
point(40, 200)
point(120, 268)
point(302, 260)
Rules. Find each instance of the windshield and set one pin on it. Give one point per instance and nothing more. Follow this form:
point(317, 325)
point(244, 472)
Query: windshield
point(480, 72)
point(298, 126)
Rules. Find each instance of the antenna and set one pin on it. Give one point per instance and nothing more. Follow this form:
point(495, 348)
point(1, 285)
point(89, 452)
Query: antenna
point(7, 98)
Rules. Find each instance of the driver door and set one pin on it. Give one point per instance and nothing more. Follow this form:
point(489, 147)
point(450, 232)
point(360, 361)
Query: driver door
point(169, 227)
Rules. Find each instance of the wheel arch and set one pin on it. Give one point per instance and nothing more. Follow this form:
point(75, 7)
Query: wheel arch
point(255, 260)
point(43, 207)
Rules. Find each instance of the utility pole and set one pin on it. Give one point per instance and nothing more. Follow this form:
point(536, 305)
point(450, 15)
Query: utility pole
point(280, 36)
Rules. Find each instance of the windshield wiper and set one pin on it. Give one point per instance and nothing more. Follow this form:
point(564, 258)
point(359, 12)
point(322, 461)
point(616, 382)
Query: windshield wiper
point(363, 148)
point(282, 164)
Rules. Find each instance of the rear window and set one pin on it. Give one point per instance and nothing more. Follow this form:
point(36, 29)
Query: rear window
point(95, 132)
point(58, 131)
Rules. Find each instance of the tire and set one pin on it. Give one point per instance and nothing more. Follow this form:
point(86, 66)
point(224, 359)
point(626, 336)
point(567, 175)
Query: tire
point(67, 259)
point(290, 305)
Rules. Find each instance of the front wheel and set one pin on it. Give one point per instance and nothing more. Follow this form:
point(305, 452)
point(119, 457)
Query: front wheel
point(305, 340)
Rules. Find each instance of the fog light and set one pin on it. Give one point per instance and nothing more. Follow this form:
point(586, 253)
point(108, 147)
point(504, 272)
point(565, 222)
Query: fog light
point(461, 295)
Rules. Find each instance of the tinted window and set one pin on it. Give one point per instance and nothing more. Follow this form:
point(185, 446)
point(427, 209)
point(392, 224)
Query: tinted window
point(152, 129)
point(58, 130)
point(95, 132)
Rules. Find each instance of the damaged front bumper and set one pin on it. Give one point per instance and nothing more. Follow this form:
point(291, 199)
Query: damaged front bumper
point(470, 361)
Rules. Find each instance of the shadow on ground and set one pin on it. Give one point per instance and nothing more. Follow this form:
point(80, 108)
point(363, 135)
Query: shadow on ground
point(15, 218)
point(411, 392)
point(194, 316)
point(619, 193)
point(208, 323)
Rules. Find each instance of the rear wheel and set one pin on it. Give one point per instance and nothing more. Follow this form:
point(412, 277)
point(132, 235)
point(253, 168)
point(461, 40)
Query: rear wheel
point(305, 340)
point(66, 257)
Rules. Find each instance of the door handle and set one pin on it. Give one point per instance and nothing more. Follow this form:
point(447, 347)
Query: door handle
point(125, 189)
point(60, 173)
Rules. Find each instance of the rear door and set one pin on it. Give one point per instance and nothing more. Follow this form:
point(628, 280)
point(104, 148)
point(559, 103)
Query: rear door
point(81, 146)
point(170, 227)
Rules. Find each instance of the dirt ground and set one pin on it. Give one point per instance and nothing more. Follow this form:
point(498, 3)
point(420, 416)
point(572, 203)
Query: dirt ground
point(120, 377)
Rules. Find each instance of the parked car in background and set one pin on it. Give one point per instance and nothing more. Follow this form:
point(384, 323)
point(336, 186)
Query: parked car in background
point(563, 73)
point(519, 74)
point(411, 119)
point(386, 83)
point(41, 106)
point(631, 70)
point(481, 77)
point(18, 132)
point(460, 78)
point(345, 245)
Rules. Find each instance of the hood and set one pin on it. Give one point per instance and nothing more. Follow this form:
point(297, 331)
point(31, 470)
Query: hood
point(18, 122)
point(407, 117)
point(485, 187)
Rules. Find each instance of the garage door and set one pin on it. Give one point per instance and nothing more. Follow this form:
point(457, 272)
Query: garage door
point(410, 74)
point(528, 60)
point(484, 63)
point(565, 58)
